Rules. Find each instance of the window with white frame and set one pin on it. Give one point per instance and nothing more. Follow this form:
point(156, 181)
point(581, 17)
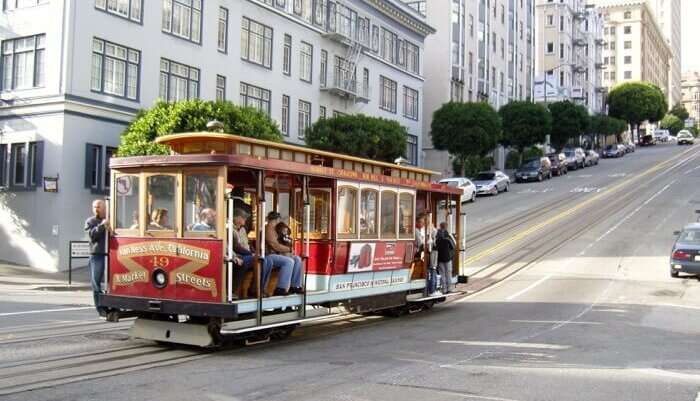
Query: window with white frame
point(304, 118)
point(387, 97)
point(284, 124)
point(388, 49)
point(324, 68)
point(115, 69)
point(255, 97)
point(410, 103)
point(23, 62)
point(17, 164)
point(222, 36)
point(178, 81)
point(220, 88)
point(321, 112)
point(306, 57)
point(129, 9)
point(412, 149)
point(256, 42)
point(183, 18)
point(287, 55)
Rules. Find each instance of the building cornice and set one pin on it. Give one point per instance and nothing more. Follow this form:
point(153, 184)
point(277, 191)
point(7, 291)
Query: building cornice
point(403, 14)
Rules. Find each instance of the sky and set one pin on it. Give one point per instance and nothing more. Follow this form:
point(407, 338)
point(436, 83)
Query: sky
point(690, 35)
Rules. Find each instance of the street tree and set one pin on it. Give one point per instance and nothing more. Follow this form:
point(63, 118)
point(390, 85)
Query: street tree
point(466, 130)
point(359, 135)
point(569, 121)
point(606, 126)
point(672, 123)
point(188, 116)
point(636, 102)
point(680, 111)
point(524, 124)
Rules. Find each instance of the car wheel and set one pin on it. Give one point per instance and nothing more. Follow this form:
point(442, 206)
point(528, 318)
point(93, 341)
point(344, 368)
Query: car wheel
point(473, 197)
point(674, 273)
point(539, 177)
point(506, 188)
point(495, 191)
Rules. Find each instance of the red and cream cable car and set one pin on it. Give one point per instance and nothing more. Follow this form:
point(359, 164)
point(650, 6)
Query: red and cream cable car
point(352, 220)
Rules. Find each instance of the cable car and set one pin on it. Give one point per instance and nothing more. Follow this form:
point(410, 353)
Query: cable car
point(174, 260)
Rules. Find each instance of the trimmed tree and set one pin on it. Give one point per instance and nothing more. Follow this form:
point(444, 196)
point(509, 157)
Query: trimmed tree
point(466, 130)
point(524, 124)
point(636, 102)
point(606, 125)
point(672, 123)
point(190, 116)
point(569, 121)
point(680, 111)
point(359, 135)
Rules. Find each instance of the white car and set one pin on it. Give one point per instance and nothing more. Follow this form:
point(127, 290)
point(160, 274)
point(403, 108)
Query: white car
point(468, 188)
point(685, 137)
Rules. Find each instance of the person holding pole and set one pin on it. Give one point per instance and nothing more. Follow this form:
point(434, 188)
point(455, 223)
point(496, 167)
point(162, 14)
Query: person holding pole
point(97, 226)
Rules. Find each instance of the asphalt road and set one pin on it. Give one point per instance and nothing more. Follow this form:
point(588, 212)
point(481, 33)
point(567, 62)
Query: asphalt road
point(580, 306)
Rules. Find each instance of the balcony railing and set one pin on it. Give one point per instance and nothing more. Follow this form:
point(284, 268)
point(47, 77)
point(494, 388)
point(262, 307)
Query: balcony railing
point(342, 84)
point(345, 26)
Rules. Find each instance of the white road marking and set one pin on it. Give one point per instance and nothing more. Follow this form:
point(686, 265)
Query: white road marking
point(680, 306)
point(528, 288)
point(555, 322)
point(29, 312)
point(610, 310)
point(698, 397)
point(508, 344)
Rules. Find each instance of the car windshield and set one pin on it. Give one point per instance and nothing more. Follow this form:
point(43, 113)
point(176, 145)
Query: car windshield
point(690, 237)
point(531, 164)
point(570, 154)
point(451, 183)
point(611, 147)
point(485, 177)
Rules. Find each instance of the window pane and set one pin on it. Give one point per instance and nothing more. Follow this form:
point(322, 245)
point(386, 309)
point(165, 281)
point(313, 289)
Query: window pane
point(18, 168)
point(200, 202)
point(406, 215)
point(161, 202)
point(127, 206)
point(319, 202)
point(347, 211)
point(388, 214)
point(368, 213)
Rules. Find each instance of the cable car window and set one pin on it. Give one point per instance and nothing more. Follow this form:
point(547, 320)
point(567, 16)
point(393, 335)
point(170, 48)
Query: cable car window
point(200, 202)
point(283, 206)
point(368, 213)
point(127, 202)
point(388, 212)
point(319, 202)
point(161, 202)
point(406, 215)
point(346, 214)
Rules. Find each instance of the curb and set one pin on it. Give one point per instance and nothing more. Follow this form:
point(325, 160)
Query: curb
point(63, 288)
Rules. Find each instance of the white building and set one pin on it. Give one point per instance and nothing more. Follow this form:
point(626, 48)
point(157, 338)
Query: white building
point(569, 53)
point(74, 72)
point(691, 94)
point(668, 15)
point(482, 51)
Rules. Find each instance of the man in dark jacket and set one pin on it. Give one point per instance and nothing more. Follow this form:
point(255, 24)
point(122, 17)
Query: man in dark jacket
point(445, 244)
point(96, 227)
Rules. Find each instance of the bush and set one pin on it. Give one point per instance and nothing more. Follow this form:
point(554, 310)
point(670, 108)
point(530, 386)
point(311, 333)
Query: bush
point(190, 116)
point(513, 160)
point(359, 135)
point(532, 153)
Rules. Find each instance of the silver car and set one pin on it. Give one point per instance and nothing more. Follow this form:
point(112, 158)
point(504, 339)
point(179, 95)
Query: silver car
point(491, 183)
point(685, 254)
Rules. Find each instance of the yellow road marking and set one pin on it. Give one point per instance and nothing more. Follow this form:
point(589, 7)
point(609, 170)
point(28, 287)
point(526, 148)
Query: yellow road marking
point(523, 234)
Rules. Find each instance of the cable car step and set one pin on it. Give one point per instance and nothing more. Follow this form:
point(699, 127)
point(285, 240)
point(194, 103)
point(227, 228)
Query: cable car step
point(229, 330)
point(172, 332)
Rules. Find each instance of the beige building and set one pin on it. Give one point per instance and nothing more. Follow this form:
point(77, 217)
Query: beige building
point(569, 53)
point(482, 51)
point(635, 48)
point(668, 15)
point(690, 85)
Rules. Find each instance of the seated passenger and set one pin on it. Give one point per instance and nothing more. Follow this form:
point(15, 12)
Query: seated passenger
point(243, 257)
point(159, 220)
point(207, 221)
point(289, 281)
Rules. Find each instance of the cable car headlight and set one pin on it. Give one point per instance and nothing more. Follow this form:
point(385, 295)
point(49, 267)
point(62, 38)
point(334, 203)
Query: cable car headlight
point(159, 278)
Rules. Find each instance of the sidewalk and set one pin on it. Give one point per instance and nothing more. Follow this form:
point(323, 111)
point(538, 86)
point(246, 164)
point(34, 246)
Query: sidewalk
point(27, 278)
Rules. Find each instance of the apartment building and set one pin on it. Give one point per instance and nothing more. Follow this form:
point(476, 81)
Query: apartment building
point(691, 94)
point(75, 72)
point(569, 47)
point(635, 48)
point(668, 16)
point(482, 51)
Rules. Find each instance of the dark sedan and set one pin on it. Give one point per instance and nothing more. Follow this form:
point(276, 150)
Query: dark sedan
point(685, 255)
point(558, 164)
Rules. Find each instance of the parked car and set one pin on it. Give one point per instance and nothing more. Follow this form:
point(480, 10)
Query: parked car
point(534, 169)
point(685, 254)
point(468, 187)
point(491, 182)
point(630, 147)
point(622, 149)
point(662, 135)
point(648, 140)
point(685, 137)
point(575, 158)
point(611, 151)
point(592, 158)
point(558, 163)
